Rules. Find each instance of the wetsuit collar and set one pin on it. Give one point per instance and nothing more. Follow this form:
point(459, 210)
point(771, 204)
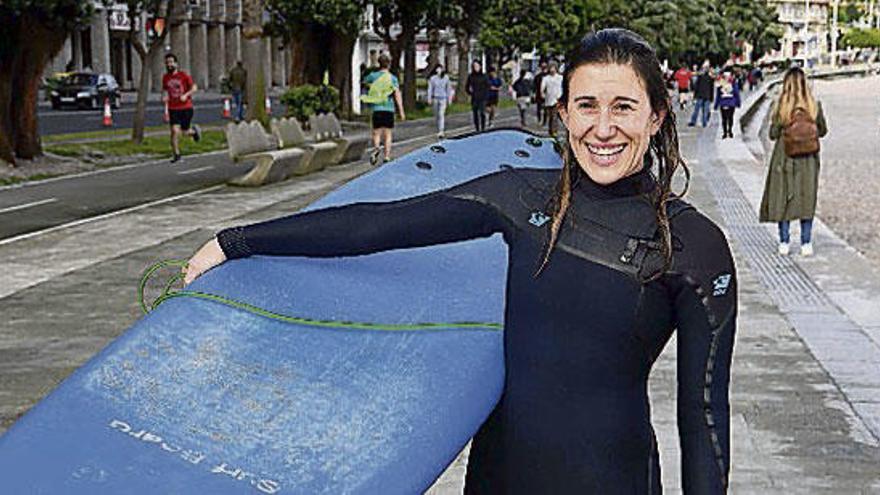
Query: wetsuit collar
point(640, 182)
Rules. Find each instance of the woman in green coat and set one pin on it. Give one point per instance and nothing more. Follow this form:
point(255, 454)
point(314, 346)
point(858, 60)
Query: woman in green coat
point(792, 182)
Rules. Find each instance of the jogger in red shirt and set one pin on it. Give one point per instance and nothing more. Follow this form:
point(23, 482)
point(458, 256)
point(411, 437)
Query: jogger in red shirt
point(179, 88)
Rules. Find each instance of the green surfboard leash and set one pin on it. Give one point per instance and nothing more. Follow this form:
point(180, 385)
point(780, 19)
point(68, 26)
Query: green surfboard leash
point(169, 292)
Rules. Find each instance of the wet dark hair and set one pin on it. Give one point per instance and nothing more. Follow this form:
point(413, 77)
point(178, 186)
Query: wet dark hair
point(623, 47)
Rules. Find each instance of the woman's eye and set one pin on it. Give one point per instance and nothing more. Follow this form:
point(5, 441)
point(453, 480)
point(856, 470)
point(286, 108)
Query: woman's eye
point(624, 107)
point(587, 106)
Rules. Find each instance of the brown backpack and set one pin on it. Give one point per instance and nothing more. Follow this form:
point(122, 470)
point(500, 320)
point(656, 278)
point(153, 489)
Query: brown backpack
point(801, 135)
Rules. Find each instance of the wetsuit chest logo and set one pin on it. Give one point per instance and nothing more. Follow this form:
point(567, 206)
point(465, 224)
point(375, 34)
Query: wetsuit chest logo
point(538, 218)
point(720, 285)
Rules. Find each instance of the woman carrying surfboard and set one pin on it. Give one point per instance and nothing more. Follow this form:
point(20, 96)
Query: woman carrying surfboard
point(605, 262)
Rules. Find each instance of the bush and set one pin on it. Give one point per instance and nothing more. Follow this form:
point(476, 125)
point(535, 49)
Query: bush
point(308, 99)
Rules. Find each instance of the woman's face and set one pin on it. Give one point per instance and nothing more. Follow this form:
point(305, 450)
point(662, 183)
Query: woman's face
point(609, 119)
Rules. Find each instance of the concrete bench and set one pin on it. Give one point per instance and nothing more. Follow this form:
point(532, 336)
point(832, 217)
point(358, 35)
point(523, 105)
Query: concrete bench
point(326, 128)
point(290, 134)
point(248, 141)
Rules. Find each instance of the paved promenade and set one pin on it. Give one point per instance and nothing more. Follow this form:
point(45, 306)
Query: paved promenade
point(806, 378)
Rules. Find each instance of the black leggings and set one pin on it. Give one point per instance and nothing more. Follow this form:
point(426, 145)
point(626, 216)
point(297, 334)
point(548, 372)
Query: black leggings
point(479, 109)
point(727, 120)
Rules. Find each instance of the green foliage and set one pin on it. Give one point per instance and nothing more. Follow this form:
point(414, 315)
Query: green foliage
point(862, 38)
point(523, 25)
point(753, 21)
point(286, 16)
point(307, 99)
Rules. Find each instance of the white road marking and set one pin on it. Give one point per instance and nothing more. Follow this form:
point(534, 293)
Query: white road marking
point(195, 170)
point(10, 240)
point(160, 161)
point(27, 205)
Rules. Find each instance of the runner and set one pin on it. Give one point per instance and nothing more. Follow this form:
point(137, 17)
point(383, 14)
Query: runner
point(179, 88)
point(383, 94)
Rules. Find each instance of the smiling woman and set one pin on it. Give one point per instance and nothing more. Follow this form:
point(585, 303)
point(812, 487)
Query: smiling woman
point(594, 291)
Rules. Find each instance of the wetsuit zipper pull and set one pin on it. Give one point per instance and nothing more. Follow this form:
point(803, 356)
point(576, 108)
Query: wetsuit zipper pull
point(630, 250)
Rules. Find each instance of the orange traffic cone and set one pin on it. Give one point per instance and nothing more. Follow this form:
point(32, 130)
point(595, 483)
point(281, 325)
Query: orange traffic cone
point(268, 106)
point(166, 118)
point(227, 111)
point(108, 117)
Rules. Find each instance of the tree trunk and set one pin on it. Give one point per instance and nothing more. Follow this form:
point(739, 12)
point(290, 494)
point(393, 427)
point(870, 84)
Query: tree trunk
point(137, 130)
point(252, 48)
point(340, 69)
point(7, 151)
point(44, 43)
point(409, 74)
point(433, 51)
point(307, 65)
point(462, 42)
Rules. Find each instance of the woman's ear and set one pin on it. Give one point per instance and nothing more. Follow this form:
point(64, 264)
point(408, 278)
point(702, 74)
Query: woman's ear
point(657, 121)
point(563, 114)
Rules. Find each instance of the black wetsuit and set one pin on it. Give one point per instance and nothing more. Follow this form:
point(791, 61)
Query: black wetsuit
point(580, 339)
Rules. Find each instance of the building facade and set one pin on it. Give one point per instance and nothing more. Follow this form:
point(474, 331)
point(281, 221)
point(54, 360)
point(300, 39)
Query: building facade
point(206, 40)
point(806, 29)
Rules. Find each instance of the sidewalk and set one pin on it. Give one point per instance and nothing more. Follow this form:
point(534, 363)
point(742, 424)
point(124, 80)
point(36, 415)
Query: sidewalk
point(805, 395)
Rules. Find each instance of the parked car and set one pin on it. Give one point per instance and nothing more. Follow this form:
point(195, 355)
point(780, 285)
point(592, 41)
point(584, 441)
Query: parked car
point(86, 90)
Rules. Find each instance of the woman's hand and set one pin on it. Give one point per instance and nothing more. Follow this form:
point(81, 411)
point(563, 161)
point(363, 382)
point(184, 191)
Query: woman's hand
point(207, 257)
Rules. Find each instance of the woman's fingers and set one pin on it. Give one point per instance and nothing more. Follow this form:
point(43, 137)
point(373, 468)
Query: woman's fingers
point(207, 257)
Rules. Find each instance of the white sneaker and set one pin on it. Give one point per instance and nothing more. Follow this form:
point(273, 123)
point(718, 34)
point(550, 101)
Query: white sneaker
point(784, 249)
point(807, 249)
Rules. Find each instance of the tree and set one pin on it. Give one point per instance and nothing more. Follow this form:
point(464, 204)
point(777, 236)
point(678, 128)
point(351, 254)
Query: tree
point(464, 17)
point(862, 38)
point(409, 16)
point(310, 26)
point(753, 21)
point(517, 26)
point(254, 56)
point(32, 32)
point(154, 9)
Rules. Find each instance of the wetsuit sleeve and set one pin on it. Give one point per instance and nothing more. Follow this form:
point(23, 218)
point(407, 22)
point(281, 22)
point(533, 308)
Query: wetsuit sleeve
point(705, 309)
point(362, 228)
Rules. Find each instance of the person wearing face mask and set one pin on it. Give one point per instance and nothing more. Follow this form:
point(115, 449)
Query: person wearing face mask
point(439, 95)
point(605, 263)
point(179, 88)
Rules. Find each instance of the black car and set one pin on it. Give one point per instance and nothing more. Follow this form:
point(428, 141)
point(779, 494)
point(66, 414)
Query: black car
point(86, 90)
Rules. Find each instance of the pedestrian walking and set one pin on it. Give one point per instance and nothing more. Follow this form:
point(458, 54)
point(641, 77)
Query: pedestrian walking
point(439, 96)
point(755, 76)
point(704, 94)
point(683, 83)
point(790, 190)
point(384, 92)
point(539, 97)
point(495, 85)
point(551, 90)
point(238, 84)
point(727, 100)
point(594, 291)
point(477, 86)
point(179, 88)
point(522, 89)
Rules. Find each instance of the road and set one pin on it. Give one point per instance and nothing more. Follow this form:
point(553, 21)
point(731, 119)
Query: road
point(209, 110)
point(37, 206)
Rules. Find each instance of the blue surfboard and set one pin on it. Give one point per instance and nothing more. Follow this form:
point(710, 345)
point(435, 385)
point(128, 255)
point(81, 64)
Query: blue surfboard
point(201, 397)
